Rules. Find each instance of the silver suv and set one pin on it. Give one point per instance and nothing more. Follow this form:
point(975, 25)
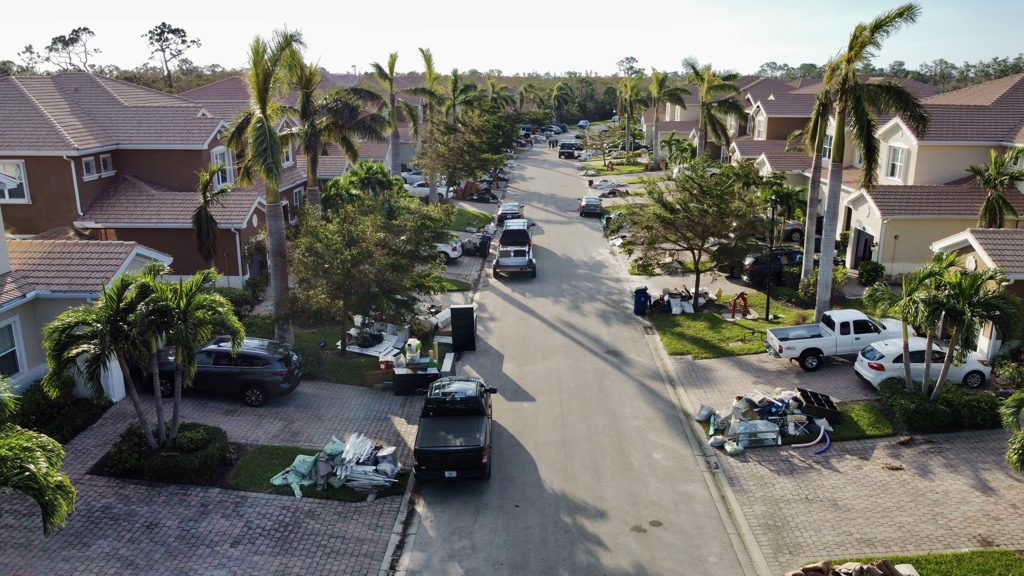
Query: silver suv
point(515, 249)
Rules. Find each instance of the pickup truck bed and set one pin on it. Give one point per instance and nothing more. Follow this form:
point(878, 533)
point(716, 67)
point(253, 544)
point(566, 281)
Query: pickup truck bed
point(452, 432)
point(791, 333)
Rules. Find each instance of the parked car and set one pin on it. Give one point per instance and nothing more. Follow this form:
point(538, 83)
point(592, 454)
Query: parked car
point(564, 127)
point(591, 205)
point(453, 439)
point(509, 211)
point(515, 249)
point(421, 189)
point(578, 136)
point(567, 150)
point(884, 359)
point(755, 266)
point(621, 145)
point(262, 369)
point(412, 176)
point(839, 332)
point(583, 124)
point(449, 251)
point(553, 129)
point(792, 230)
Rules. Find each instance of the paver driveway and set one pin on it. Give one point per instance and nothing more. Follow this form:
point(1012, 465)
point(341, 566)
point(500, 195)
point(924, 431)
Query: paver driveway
point(126, 527)
point(940, 492)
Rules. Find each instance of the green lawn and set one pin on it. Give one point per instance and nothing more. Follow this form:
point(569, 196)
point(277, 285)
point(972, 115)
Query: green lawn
point(708, 335)
point(620, 168)
point(470, 218)
point(254, 471)
point(976, 562)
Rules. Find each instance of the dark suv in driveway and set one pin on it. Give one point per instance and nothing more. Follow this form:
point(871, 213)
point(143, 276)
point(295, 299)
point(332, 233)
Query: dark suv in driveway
point(755, 266)
point(260, 370)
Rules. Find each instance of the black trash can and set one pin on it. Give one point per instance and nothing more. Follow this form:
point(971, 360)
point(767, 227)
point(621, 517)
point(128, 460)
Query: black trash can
point(484, 245)
point(641, 300)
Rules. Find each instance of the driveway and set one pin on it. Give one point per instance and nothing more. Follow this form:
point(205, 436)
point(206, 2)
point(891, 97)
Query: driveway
point(935, 493)
point(129, 527)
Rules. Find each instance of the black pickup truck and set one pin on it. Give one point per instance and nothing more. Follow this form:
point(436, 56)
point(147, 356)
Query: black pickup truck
point(454, 436)
point(567, 150)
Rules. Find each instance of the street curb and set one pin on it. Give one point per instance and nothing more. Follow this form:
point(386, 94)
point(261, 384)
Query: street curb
point(748, 552)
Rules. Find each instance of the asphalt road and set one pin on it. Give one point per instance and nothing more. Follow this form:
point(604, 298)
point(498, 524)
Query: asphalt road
point(592, 472)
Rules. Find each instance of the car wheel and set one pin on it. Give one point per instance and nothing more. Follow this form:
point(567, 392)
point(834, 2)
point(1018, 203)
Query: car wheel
point(487, 473)
point(974, 379)
point(254, 395)
point(796, 235)
point(494, 272)
point(166, 387)
point(443, 258)
point(735, 271)
point(810, 361)
point(533, 272)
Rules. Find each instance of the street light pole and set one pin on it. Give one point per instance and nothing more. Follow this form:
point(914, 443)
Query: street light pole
point(771, 257)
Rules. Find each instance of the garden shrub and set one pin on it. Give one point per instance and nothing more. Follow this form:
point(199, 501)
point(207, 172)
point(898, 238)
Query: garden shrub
point(312, 359)
point(60, 418)
point(312, 312)
point(257, 286)
point(198, 453)
point(242, 301)
point(259, 326)
point(809, 287)
point(791, 277)
point(844, 241)
point(915, 412)
point(956, 409)
point(870, 272)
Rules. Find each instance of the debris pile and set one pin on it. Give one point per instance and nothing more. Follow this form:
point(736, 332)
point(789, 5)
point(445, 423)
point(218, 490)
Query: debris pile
point(359, 464)
point(760, 419)
point(876, 568)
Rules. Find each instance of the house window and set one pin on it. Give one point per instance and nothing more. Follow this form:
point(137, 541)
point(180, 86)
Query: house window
point(668, 110)
point(826, 148)
point(300, 200)
point(750, 124)
point(725, 157)
point(89, 168)
point(13, 184)
point(10, 363)
point(732, 124)
point(287, 160)
point(897, 163)
point(106, 165)
point(678, 112)
point(220, 155)
point(759, 135)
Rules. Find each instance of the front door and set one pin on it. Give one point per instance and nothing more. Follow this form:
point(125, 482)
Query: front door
point(863, 246)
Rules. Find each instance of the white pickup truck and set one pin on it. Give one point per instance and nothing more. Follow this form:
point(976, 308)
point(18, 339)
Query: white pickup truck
point(839, 332)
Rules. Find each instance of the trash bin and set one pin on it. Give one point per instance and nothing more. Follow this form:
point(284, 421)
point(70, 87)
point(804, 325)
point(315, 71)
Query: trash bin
point(590, 183)
point(484, 245)
point(641, 300)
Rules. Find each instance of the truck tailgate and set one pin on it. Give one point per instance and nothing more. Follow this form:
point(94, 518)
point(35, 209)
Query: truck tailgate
point(451, 432)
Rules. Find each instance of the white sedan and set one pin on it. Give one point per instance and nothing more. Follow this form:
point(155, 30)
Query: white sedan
point(422, 189)
point(884, 359)
point(412, 176)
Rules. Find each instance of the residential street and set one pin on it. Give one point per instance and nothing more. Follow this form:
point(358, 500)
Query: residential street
point(593, 472)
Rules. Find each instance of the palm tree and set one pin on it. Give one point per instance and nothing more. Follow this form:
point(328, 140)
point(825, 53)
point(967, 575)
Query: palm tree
point(204, 225)
point(662, 93)
point(81, 342)
point(931, 320)
point(815, 140)
point(499, 95)
point(855, 103)
point(558, 97)
point(630, 95)
point(30, 463)
point(678, 150)
point(433, 99)
point(256, 133)
point(339, 117)
point(908, 305)
point(1010, 412)
point(391, 106)
point(461, 96)
point(717, 93)
point(189, 315)
point(972, 298)
point(996, 178)
point(527, 93)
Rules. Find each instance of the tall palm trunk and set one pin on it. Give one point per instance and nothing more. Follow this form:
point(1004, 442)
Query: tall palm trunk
point(396, 157)
point(925, 379)
point(908, 380)
point(158, 398)
point(134, 395)
point(278, 269)
point(655, 142)
point(828, 232)
point(954, 339)
point(813, 193)
point(312, 183)
point(178, 381)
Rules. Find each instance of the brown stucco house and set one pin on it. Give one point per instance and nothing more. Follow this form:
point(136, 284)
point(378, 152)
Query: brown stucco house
point(40, 278)
point(77, 146)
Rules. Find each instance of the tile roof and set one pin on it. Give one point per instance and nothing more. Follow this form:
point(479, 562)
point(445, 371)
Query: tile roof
point(1005, 247)
point(336, 163)
point(68, 266)
point(989, 112)
point(81, 111)
point(961, 198)
point(789, 104)
point(683, 127)
point(130, 201)
point(780, 160)
point(750, 148)
point(764, 87)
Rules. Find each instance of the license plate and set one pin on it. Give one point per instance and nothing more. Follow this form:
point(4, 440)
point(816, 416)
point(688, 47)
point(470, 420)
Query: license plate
point(450, 473)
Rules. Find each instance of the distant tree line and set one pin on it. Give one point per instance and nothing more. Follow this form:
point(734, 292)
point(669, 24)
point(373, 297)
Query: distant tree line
point(939, 73)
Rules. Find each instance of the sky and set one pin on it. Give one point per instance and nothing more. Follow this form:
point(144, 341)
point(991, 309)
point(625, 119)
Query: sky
point(526, 36)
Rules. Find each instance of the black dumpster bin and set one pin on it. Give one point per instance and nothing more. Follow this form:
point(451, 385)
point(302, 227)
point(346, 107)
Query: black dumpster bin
point(641, 300)
point(484, 245)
